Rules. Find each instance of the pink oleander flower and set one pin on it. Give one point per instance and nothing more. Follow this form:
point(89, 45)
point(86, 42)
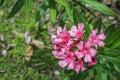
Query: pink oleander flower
point(67, 59)
point(73, 50)
point(79, 65)
point(85, 51)
point(62, 38)
point(96, 39)
point(77, 33)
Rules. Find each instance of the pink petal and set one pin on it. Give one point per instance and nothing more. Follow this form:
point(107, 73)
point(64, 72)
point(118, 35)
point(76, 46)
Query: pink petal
point(83, 68)
point(70, 42)
point(80, 26)
point(92, 63)
point(93, 52)
point(77, 68)
point(72, 31)
point(61, 55)
point(94, 32)
point(64, 28)
point(80, 45)
point(101, 36)
point(87, 58)
point(74, 28)
point(71, 65)
point(96, 46)
point(79, 54)
point(55, 53)
point(63, 63)
point(53, 36)
point(87, 44)
point(101, 43)
point(59, 29)
point(57, 40)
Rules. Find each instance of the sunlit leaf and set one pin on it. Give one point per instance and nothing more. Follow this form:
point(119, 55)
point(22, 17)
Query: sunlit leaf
point(67, 8)
point(52, 10)
point(99, 7)
point(27, 8)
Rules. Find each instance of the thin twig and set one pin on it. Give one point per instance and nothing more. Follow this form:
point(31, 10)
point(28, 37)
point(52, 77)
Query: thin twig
point(77, 2)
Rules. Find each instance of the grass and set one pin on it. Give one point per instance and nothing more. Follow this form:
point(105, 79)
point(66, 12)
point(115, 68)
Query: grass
point(13, 66)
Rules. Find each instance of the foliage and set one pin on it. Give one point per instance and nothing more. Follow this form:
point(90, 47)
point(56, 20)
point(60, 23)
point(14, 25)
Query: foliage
point(28, 15)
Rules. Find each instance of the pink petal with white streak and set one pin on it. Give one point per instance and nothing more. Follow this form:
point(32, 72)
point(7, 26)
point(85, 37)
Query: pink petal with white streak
point(101, 43)
point(63, 63)
point(59, 29)
point(94, 32)
point(87, 58)
point(101, 36)
point(71, 65)
point(80, 26)
point(93, 52)
point(80, 45)
point(79, 55)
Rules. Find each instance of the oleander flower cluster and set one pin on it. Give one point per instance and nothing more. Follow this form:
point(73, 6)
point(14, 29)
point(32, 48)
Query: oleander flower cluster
point(73, 51)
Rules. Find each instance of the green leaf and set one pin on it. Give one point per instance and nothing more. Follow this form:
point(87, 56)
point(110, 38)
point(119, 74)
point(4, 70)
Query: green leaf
point(27, 8)
point(99, 7)
point(19, 4)
point(111, 77)
point(79, 76)
point(42, 10)
point(67, 8)
point(101, 75)
point(109, 31)
point(117, 69)
point(63, 19)
point(112, 53)
point(1, 2)
point(98, 24)
point(114, 39)
point(52, 10)
point(113, 60)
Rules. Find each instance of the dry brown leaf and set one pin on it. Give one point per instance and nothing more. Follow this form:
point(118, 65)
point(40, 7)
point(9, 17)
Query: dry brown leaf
point(29, 53)
point(38, 44)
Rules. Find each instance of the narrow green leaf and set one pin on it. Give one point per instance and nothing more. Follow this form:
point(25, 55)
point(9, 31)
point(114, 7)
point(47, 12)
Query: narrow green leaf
point(27, 8)
point(113, 60)
point(101, 75)
point(114, 38)
point(63, 19)
point(109, 31)
point(112, 53)
point(98, 24)
point(1, 2)
point(117, 69)
point(52, 10)
point(67, 8)
point(79, 76)
point(42, 10)
point(99, 7)
point(111, 77)
point(19, 4)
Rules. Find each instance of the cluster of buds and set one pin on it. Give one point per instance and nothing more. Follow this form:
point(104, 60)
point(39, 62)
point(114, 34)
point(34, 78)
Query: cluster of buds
point(73, 51)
